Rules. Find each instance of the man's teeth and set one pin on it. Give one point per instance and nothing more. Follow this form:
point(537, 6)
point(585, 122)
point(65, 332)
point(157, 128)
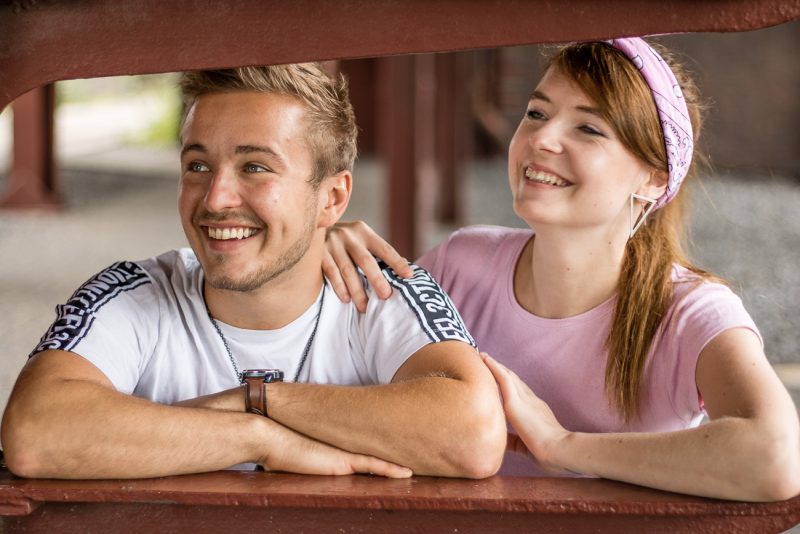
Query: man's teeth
point(230, 233)
point(545, 178)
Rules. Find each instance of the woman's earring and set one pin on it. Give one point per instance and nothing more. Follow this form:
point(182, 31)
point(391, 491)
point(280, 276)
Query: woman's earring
point(635, 224)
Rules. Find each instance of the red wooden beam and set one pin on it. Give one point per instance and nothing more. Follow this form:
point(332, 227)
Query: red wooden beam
point(44, 41)
point(229, 501)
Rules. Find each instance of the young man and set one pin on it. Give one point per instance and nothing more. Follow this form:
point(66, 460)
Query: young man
point(140, 373)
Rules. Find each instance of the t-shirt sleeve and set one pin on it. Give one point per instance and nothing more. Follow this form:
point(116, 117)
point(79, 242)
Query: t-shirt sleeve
point(418, 313)
point(110, 321)
point(701, 314)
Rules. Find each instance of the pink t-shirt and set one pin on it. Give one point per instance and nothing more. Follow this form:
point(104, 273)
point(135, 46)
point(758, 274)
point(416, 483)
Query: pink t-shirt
point(563, 360)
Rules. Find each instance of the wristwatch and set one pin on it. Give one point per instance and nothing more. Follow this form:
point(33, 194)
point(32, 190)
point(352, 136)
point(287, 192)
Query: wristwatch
point(255, 388)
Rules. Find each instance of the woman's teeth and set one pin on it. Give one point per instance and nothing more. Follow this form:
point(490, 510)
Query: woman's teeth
point(545, 178)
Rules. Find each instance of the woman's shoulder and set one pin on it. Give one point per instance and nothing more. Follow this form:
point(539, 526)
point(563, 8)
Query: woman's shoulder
point(691, 286)
point(486, 237)
point(474, 251)
point(704, 303)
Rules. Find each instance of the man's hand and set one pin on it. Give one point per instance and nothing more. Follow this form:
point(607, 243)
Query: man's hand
point(296, 453)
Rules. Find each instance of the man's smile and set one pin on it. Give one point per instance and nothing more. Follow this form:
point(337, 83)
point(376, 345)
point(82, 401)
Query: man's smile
point(233, 232)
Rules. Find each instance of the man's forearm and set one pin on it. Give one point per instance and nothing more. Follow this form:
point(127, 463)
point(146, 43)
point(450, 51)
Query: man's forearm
point(65, 420)
point(434, 425)
point(85, 430)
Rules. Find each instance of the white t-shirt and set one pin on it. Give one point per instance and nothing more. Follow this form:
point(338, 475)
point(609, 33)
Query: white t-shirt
point(146, 327)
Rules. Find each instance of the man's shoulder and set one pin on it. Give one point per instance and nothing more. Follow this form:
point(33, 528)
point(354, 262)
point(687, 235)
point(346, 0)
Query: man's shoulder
point(124, 293)
point(427, 301)
point(126, 276)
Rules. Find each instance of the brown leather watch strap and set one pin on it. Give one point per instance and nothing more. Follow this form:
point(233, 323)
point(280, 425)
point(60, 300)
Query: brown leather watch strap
point(255, 395)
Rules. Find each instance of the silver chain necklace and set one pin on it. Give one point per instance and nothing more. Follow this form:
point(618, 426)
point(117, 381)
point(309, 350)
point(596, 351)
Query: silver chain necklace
point(305, 351)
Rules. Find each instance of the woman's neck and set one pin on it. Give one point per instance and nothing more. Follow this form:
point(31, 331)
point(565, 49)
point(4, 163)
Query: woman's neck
point(560, 276)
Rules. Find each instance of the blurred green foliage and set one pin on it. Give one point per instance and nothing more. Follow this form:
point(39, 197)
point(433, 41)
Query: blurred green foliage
point(159, 90)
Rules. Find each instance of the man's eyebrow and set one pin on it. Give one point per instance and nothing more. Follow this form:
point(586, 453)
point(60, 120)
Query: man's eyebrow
point(241, 149)
point(538, 95)
point(269, 152)
point(196, 147)
point(247, 149)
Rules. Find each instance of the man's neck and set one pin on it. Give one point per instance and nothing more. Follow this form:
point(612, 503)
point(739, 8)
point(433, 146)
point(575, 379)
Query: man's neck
point(274, 305)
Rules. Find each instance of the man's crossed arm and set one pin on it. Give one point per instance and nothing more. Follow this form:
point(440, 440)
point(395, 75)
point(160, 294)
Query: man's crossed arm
point(440, 416)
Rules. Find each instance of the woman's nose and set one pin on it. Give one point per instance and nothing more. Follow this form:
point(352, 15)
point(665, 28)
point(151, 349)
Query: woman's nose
point(546, 137)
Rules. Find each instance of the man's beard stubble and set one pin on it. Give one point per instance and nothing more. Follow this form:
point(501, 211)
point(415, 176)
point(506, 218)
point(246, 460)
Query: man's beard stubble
point(267, 273)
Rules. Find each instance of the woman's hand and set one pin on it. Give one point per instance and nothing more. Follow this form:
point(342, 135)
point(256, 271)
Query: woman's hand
point(349, 245)
point(538, 432)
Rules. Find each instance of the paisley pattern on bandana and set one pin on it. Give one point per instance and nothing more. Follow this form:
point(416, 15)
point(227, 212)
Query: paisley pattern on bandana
point(672, 111)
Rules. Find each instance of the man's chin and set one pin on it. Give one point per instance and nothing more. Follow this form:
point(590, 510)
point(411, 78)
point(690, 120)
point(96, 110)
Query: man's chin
point(240, 284)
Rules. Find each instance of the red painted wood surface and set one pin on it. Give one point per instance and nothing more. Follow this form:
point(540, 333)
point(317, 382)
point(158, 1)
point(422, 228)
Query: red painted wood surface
point(33, 177)
point(229, 500)
point(46, 40)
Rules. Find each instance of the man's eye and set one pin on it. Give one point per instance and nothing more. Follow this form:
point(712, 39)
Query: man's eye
point(254, 167)
point(196, 166)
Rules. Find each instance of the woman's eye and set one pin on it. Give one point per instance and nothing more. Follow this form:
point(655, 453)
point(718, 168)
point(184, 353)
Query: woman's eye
point(196, 166)
point(534, 114)
point(591, 130)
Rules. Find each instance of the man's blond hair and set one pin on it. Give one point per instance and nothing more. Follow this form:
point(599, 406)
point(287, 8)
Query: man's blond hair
point(331, 130)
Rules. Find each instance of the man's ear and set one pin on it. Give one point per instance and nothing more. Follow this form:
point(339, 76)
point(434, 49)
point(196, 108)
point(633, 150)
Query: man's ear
point(655, 184)
point(334, 195)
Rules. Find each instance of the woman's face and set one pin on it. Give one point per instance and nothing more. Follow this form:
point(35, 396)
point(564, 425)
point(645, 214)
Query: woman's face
point(566, 167)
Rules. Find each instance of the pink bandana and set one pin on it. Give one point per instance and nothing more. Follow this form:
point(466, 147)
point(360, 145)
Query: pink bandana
point(672, 111)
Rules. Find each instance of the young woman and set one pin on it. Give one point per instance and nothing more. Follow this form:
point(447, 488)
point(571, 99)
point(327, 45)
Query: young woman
point(613, 344)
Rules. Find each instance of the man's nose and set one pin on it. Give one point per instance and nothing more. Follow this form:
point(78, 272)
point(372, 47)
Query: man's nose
point(223, 191)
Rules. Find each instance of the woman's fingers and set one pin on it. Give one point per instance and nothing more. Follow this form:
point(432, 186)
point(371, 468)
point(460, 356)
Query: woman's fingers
point(348, 272)
point(352, 246)
point(505, 378)
point(334, 276)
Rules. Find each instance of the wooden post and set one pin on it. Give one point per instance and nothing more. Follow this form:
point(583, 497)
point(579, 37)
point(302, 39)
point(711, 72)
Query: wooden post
point(33, 179)
point(396, 83)
point(453, 132)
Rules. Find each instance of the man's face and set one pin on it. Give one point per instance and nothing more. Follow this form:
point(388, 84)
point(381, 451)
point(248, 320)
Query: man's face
point(246, 205)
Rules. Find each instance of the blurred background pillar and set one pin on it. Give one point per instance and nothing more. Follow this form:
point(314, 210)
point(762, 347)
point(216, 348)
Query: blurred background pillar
point(33, 178)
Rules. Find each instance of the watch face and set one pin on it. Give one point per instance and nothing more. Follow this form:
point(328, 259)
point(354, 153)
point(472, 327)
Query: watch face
point(268, 375)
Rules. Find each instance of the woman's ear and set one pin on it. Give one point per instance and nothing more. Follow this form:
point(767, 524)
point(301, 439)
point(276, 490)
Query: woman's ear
point(334, 195)
point(655, 185)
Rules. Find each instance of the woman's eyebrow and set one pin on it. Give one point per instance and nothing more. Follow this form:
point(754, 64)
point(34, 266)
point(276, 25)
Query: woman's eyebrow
point(538, 95)
point(590, 110)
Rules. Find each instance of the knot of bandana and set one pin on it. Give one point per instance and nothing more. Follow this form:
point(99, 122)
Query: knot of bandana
point(672, 111)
